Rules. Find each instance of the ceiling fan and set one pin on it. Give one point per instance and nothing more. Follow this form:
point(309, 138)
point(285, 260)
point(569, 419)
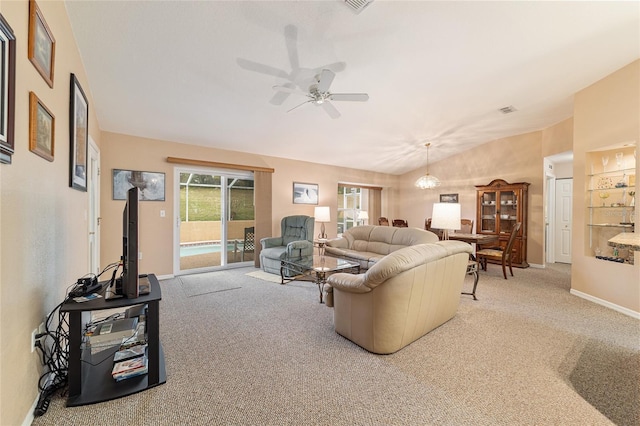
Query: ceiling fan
point(319, 94)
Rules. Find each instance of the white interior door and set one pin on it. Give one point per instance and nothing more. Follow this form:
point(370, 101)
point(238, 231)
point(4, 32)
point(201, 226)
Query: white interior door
point(93, 189)
point(563, 210)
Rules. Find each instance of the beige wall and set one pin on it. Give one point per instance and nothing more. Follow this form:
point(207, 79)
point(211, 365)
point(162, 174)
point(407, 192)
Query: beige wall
point(605, 113)
point(514, 159)
point(44, 226)
point(157, 233)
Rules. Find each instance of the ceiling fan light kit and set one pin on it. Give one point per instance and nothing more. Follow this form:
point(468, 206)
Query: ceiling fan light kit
point(427, 181)
point(320, 95)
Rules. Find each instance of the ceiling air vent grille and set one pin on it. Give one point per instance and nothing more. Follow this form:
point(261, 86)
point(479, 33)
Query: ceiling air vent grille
point(508, 109)
point(358, 5)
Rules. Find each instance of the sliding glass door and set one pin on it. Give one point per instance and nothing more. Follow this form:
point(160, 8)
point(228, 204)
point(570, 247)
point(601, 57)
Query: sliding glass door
point(216, 219)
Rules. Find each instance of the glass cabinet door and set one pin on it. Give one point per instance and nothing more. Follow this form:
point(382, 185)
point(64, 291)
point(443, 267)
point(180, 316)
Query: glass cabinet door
point(508, 211)
point(488, 211)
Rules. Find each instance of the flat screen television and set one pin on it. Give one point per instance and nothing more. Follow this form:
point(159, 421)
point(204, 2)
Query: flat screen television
point(130, 278)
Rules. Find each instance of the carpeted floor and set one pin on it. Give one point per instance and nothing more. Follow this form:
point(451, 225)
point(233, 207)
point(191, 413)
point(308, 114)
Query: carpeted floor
point(242, 350)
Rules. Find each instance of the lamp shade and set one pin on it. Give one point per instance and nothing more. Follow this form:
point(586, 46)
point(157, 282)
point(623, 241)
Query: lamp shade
point(446, 216)
point(322, 214)
point(362, 215)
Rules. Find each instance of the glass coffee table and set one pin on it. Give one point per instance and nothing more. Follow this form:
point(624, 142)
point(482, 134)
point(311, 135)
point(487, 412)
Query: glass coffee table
point(320, 267)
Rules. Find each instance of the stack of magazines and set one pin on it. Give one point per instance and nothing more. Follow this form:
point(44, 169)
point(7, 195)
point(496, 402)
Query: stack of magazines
point(130, 362)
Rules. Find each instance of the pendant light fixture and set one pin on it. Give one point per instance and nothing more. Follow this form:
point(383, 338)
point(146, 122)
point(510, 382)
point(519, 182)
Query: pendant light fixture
point(427, 181)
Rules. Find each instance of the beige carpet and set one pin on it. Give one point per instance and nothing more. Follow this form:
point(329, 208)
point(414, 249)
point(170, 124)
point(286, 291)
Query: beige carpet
point(526, 353)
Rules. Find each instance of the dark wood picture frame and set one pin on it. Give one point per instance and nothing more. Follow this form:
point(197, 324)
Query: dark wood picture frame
point(42, 44)
point(448, 198)
point(42, 128)
point(78, 135)
point(305, 193)
point(7, 91)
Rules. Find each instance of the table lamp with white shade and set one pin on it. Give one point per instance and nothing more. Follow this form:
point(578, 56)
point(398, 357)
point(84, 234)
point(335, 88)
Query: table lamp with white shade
point(322, 215)
point(363, 216)
point(446, 216)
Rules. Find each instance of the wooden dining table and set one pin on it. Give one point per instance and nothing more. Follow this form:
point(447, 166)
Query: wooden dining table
point(480, 239)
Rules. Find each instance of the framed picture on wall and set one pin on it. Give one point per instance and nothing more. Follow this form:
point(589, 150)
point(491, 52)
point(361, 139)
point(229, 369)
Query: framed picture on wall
point(448, 198)
point(41, 128)
point(151, 184)
point(305, 193)
point(42, 45)
point(78, 135)
point(7, 90)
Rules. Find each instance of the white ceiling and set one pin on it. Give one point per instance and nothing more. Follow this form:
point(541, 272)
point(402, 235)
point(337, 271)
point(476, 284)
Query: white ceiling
point(202, 72)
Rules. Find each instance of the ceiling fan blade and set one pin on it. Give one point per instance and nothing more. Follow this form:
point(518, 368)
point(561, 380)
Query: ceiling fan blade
point(326, 78)
point(261, 68)
point(331, 110)
point(288, 89)
point(291, 40)
point(305, 102)
point(335, 67)
point(356, 97)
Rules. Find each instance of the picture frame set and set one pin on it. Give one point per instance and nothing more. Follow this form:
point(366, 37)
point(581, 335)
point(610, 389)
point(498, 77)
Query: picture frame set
point(78, 135)
point(448, 198)
point(7, 91)
point(305, 193)
point(151, 184)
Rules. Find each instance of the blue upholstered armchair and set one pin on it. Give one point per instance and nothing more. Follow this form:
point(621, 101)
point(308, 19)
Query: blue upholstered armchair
point(296, 243)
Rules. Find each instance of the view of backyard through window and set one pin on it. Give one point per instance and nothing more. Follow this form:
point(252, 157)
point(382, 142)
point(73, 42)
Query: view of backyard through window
point(216, 211)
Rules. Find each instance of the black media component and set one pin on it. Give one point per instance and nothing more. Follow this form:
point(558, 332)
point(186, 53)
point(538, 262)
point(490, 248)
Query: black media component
point(130, 245)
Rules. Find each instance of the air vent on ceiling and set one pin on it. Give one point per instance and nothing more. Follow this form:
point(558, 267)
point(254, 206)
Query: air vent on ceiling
point(358, 5)
point(508, 109)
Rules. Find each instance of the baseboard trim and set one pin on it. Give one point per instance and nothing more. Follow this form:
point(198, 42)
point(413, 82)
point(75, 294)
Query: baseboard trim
point(621, 309)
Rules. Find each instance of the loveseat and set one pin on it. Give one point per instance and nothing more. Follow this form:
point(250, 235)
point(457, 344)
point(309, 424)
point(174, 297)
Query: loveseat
point(368, 244)
point(402, 297)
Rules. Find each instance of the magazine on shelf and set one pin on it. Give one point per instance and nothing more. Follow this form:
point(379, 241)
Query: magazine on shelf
point(130, 368)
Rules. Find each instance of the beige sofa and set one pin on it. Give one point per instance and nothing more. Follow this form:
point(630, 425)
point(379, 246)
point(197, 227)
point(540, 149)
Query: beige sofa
point(401, 297)
point(368, 244)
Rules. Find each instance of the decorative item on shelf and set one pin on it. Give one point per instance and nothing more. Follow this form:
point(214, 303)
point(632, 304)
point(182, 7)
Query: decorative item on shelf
point(427, 181)
point(603, 196)
point(322, 215)
point(604, 183)
point(632, 194)
point(619, 156)
point(446, 216)
point(605, 160)
point(621, 183)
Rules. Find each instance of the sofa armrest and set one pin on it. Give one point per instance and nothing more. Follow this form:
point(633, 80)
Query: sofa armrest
point(349, 283)
point(271, 242)
point(338, 243)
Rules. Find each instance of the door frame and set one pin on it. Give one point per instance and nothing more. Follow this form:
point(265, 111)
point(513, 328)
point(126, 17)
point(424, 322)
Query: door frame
point(93, 220)
point(225, 174)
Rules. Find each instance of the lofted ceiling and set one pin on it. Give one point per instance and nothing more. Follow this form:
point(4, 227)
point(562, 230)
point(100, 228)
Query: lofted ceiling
point(202, 72)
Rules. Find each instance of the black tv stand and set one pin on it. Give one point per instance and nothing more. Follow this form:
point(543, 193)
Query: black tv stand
point(90, 379)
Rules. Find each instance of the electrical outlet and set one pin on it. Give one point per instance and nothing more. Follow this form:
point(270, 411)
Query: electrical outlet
point(139, 255)
point(33, 339)
point(34, 333)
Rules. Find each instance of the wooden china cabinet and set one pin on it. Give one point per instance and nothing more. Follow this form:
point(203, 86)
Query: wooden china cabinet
point(500, 206)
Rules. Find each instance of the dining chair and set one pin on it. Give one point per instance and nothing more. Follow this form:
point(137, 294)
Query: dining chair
point(400, 223)
point(427, 227)
point(466, 226)
point(498, 254)
point(383, 221)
